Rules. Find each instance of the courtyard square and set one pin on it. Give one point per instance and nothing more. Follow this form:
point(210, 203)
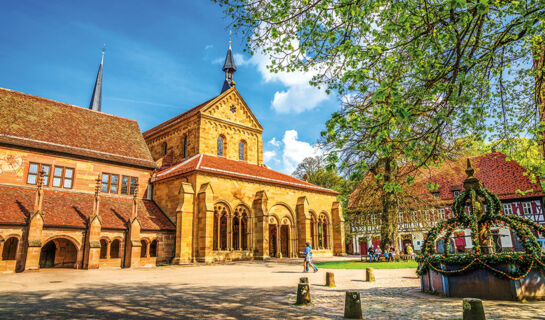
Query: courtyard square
point(240, 290)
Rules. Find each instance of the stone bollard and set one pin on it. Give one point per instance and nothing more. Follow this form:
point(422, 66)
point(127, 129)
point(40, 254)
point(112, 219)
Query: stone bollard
point(303, 280)
point(303, 294)
point(330, 279)
point(370, 274)
point(352, 305)
point(473, 309)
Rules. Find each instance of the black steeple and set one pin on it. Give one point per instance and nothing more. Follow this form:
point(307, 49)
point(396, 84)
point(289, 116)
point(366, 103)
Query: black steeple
point(96, 98)
point(229, 68)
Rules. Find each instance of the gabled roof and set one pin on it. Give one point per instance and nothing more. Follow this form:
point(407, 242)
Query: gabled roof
point(236, 169)
point(72, 209)
point(35, 122)
point(506, 179)
point(196, 110)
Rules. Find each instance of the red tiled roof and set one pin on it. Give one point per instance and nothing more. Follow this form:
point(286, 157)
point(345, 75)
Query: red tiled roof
point(238, 169)
point(506, 179)
point(31, 121)
point(72, 209)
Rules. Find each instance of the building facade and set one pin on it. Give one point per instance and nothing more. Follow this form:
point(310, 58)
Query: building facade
point(226, 203)
point(80, 188)
point(518, 194)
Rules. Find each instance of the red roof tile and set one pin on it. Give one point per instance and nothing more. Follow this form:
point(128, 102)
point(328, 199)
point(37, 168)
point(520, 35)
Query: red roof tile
point(505, 178)
point(238, 169)
point(72, 209)
point(36, 122)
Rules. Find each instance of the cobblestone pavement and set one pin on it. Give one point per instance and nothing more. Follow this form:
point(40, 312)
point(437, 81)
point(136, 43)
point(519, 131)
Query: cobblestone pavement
point(243, 290)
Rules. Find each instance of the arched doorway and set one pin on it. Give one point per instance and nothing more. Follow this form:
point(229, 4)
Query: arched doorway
point(285, 240)
point(58, 253)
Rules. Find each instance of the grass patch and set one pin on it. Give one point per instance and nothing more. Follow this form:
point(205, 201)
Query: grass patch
point(356, 264)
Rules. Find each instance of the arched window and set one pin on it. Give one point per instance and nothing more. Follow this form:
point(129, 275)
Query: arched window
point(240, 228)
point(221, 146)
point(153, 249)
point(220, 226)
point(10, 249)
point(114, 249)
point(164, 148)
point(242, 150)
point(244, 230)
point(143, 249)
point(103, 249)
point(185, 147)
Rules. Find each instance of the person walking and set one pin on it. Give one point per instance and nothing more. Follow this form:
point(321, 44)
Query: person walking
point(308, 257)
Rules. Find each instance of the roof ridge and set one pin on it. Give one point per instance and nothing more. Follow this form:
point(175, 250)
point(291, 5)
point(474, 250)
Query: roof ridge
point(65, 104)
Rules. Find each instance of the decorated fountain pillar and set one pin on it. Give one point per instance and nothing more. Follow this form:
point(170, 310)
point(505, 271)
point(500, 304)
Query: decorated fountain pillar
point(483, 273)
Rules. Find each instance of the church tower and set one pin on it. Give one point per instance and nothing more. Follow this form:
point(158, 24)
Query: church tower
point(229, 68)
point(96, 98)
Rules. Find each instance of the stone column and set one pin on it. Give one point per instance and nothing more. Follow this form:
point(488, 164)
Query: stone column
point(94, 226)
point(205, 222)
point(338, 233)
point(132, 240)
point(261, 224)
point(35, 228)
point(184, 224)
point(303, 223)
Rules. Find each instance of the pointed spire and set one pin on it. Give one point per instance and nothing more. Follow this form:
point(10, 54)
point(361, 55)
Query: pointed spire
point(229, 68)
point(96, 98)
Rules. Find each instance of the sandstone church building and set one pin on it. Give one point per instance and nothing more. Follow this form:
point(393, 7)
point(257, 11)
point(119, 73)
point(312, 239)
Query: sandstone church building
point(80, 188)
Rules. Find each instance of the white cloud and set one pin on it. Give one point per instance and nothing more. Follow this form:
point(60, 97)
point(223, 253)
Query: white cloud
point(208, 46)
point(289, 152)
point(269, 155)
point(299, 95)
point(274, 142)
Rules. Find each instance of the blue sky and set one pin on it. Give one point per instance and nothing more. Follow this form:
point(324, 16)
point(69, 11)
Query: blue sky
point(162, 58)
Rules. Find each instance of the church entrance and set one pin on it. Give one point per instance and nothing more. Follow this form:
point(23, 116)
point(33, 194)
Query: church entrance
point(285, 240)
point(272, 240)
point(58, 253)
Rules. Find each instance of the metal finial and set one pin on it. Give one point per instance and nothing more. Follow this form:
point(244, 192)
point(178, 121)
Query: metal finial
point(135, 193)
point(229, 39)
point(41, 179)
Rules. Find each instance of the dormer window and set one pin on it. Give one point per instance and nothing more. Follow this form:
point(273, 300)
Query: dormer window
point(242, 150)
point(221, 146)
point(436, 194)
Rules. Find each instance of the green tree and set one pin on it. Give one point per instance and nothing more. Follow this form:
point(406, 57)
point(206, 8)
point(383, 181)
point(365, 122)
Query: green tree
point(414, 74)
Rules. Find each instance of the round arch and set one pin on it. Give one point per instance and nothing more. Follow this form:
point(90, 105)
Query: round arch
point(60, 251)
point(282, 235)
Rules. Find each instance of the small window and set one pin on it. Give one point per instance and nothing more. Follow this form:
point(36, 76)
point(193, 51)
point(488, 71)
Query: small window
point(242, 150)
point(134, 182)
point(507, 208)
point(63, 177)
point(185, 147)
point(456, 193)
point(143, 249)
point(527, 209)
point(221, 146)
point(33, 171)
point(164, 148)
point(103, 249)
point(153, 249)
point(110, 183)
point(125, 185)
point(436, 194)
